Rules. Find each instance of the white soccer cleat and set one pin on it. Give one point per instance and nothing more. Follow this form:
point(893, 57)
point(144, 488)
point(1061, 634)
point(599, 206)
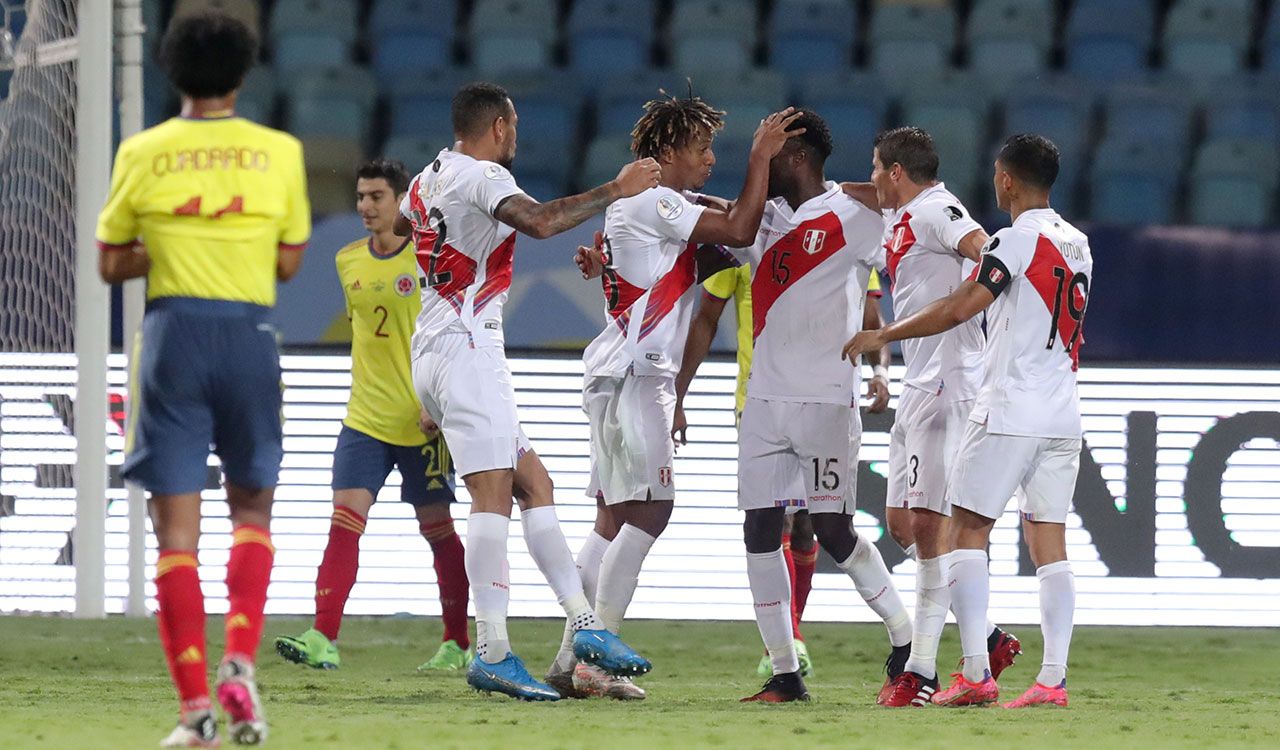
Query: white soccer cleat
point(197, 730)
point(238, 694)
point(592, 681)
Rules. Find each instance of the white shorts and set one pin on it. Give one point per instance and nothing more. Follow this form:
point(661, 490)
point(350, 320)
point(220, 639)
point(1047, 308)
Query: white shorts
point(469, 393)
point(922, 448)
point(989, 469)
point(632, 450)
point(781, 441)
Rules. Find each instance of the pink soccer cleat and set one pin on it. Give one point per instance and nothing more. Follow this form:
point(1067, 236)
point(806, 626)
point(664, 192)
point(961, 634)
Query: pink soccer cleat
point(1041, 695)
point(963, 692)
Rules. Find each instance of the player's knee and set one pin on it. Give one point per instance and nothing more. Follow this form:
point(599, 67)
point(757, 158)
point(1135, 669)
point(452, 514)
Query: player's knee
point(801, 531)
point(762, 529)
point(900, 530)
point(835, 533)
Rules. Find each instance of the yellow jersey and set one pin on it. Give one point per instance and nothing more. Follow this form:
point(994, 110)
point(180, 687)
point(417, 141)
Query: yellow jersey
point(213, 200)
point(382, 299)
point(736, 283)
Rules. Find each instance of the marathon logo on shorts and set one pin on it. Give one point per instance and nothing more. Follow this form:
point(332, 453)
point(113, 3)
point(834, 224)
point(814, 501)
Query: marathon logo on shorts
point(766, 605)
point(664, 476)
point(404, 284)
point(814, 239)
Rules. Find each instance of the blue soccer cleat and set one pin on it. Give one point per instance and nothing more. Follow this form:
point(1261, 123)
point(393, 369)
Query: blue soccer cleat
point(508, 677)
point(607, 651)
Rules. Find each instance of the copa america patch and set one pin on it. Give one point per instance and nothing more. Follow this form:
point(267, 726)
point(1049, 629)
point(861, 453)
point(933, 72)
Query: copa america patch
point(813, 241)
point(670, 207)
point(664, 476)
point(495, 172)
point(404, 284)
point(953, 213)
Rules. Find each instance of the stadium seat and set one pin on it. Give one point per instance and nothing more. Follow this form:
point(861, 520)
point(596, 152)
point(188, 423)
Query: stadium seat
point(911, 39)
point(549, 106)
point(438, 17)
point(1244, 107)
point(609, 36)
point(1206, 38)
point(1009, 38)
point(949, 107)
point(605, 156)
point(331, 167)
point(806, 36)
point(746, 97)
point(413, 151)
point(1106, 38)
point(1233, 183)
point(334, 102)
point(621, 99)
point(257, 98)
point(1056, 107)
point(420, 105)
point(417, 30)
point(512, 35)
point(1133, 182)
point(1160, 114)
point(246, 11)
point(310, 34)
point(1271, 41)
point(712, 35)
point(854, 105)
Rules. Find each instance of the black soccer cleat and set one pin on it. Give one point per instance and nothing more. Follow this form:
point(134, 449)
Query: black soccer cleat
point(781, 688)
point(893, 666)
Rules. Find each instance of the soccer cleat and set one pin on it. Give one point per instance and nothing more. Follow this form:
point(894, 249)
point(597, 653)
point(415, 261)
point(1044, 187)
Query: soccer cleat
point(910, 689)
point(238, 694)
point(562, 682)
point(765, 667)
point(607, 651)
point(311, 648)
point(508, 677)
point(197, 730)
point(1002, 652)
point(1041, 695)
point(893, 666)
point(962, 692)
point(780, 688)
point(591, 681)
point(450, 657)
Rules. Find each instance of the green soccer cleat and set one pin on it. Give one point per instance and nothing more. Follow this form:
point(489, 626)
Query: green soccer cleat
point(311, 648)
point(450, 657)
point(765, 667)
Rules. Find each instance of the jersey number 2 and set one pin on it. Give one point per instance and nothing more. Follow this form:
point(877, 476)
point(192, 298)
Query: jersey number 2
point(379, 332)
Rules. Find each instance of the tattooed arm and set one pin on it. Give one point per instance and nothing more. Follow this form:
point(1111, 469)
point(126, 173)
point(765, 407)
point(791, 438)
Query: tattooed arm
point(542, 220)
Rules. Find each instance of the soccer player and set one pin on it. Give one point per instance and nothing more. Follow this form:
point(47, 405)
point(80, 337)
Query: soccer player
point(211, 210)
point(381, 431)
point(799, 546)
point(1024, 432)
point(652, 246)
point(929, 239)
point(811, 263)
point(463, 211)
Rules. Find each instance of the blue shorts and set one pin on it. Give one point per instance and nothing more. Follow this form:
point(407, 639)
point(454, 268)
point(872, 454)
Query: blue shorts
point(363, 462)
point(206, 377)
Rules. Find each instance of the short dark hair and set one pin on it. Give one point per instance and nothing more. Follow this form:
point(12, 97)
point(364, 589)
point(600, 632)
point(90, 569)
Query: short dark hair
point(207, 54)
point(816, 136)
point(674, 123)
point(477, 105)
point(390, 170)
point(913, 149)
point(1030, 158)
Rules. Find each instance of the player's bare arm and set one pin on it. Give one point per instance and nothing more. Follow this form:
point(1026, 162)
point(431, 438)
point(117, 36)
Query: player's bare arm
point(716, 202)
point(879, 359)
point(403, 227)
point(737, 226)
point(702, 331)
point(288, 263)
point(118, 265)
point(542, 220)
point(936, 317)
point(972, 243)
point(864, 193)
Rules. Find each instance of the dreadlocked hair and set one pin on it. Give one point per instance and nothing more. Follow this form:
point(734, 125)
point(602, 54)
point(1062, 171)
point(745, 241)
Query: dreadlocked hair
point(672, 122)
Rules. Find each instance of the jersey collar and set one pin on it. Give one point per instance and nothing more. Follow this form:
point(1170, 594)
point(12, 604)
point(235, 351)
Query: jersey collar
point(1036, 214)
point(831, 189)
point(923, 193)
point(376, 256)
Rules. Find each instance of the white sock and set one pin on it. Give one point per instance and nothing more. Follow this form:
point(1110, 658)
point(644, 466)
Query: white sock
point(547, 547)
point(910, 551)
point(589, 557)
point(619, 574)
point(970, 593)
point(485, 559)
point(870, 576)
point(932, 600)
point(1057, 611)
point(771, 591)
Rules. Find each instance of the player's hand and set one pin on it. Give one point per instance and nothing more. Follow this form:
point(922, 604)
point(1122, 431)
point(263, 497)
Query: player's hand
point(427, 424)
point(638, 176)
point(878, 392)
point(862, 342)
point(678, 427)
point(773, 132)
point(590, 260)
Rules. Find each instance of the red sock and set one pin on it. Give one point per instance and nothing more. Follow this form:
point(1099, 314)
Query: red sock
point(337, 572)
point(791, 573)
point(451, 577)
point(248, 574)
point(181, 624)
point(806, 562)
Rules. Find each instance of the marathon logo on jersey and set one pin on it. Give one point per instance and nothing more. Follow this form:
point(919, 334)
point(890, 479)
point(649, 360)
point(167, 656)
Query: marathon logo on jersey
point(664, 476)
point(404, 284)
point(814, 239)
point(670, 207)
point(953, 213)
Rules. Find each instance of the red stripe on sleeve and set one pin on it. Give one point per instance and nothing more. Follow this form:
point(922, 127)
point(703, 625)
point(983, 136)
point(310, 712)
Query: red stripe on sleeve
point(111, 247)
point(292, 246)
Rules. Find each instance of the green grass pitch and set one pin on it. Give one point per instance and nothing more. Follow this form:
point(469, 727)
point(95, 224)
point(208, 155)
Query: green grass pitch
point(83, 684)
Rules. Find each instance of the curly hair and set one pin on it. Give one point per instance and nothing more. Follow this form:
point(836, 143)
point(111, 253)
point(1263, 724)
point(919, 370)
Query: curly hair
point(207, 54)
point(674, 123)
